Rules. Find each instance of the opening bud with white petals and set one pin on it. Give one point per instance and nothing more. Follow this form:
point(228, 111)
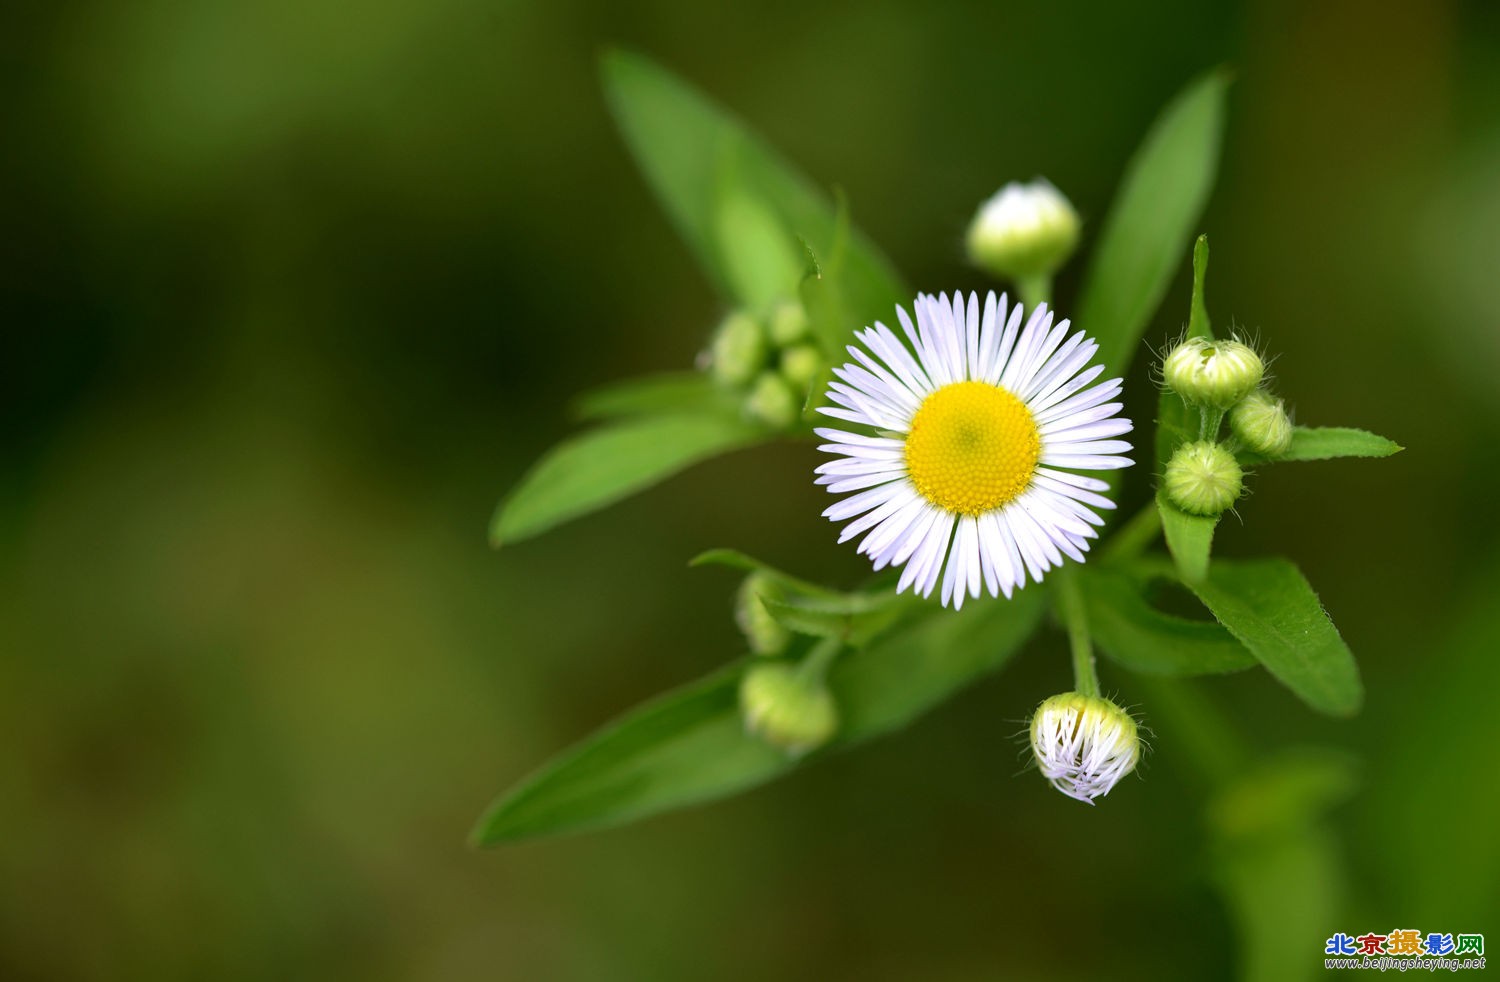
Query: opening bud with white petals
point(1023, 231)
point(1213, 373)
point(1260, 422)
point(788, 709)
point(1084, 744)
point(1203, 478)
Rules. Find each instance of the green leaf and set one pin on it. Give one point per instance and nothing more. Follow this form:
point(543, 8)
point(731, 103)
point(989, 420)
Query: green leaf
point(760, 259)
point(598, 468)
point(696, 156)
point(734, 559)
point(1269, 606)
point(1199, 326)
point(690, 746)
point(922, 662)
point(1329, 442)
point(1140, 637)
point(1151, 221)
point(1190, 539)
point(654, 395)
point(852, 618)
point(686, 746)
point(815, 610)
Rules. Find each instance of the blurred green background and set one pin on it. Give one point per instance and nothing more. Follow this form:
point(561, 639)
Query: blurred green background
point(296, 289)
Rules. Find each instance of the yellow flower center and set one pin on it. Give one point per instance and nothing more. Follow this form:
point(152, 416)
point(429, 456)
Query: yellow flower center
point(972, 447)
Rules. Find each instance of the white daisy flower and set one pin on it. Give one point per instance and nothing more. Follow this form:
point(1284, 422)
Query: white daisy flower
point(980, 425)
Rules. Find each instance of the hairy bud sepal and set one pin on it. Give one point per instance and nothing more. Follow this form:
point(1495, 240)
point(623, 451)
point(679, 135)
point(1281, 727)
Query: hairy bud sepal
point(1203, 478)
point(1084, 745)
point(1216, 374)
point(1260, 422)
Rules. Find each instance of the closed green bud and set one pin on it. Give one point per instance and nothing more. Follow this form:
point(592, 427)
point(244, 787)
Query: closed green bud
point(800, 365)
point(1212, 373)
point(739, 349)
point(1084, 744)
point(1023, 231)
point(1203, 478)
point(788, 323)
point(763, 632)
point(772, 401)
point(786, 710)
point(1260, 422)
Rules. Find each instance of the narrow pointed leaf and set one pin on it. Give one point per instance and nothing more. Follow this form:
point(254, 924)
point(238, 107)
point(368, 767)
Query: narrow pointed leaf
point(1152, 220)
point(1330, 442)
point(1176, 423)
point(921, 663)
point(688, 148)
point(734, 559)
point(1140, 637)
point(1190, 539)
point(690, 745)
point(1269, 605)
point(655, 395)
point(851, 618)
point(598, 468)
point(759, 256)
point(685, 746)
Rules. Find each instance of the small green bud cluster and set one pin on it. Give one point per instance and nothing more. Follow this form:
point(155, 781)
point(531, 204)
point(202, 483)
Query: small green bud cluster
point(1024, 231)
point(1203, 477)
point(787, 707)
point(771, 361)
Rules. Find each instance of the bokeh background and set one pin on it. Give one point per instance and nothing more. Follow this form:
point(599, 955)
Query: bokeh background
point(295, 289)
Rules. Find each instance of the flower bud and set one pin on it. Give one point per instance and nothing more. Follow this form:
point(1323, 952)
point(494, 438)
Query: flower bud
point(1023, 231)
point(788, 323)
point(800, 365)
point(1084, 744)
point(763, 632)
point(1203, 478)
point(1260, 422)
point(773, 402)
point(739, 349)
point(786, 710)
point(1212, 373)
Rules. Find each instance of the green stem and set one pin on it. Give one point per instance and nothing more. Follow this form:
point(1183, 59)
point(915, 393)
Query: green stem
point(1034, 289)
point(1070, 605)
point(815, 665)
point(1132, 538)
point(1208, 423)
